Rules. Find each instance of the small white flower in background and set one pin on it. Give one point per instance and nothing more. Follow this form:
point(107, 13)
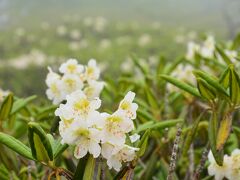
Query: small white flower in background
point(128, 106)
point(207, 50)
point(75, 34)
point(182, 73)
point(219, 172)
point(61, 30)
point(3, 94)
point(92, 72)
point(117, 155)
point(192, 49)
point(71, 67)
point(134, 137)
point(144, 40)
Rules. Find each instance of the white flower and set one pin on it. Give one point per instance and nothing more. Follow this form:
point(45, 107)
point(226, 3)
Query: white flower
point(87, 140)
point(234, 168)
point(115, 127)
point(54, 84)
point(92, 72)
point(71, 67)
point(61, 30)
point(3, 94)
point(80, 108)
point(71, 83)
point(219, 172)
point(75, 34)
point(192, 49)
point(207, 50)
point(93, 89)
point(144, 40)
point(128, 106)
point(134, 137)
point(116, 155)
point(183, 73)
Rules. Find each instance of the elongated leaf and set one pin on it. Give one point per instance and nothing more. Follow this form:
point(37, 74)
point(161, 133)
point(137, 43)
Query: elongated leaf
point(121, 173)
point(78, 175)
point(212, 133)
point(211, 81)
point(128, 175)
point(39, 143)
point(223, 55)
point(6, 107)
point(15, 145)
point(89, 169)
point(143, 68)
point(191, 134)
point(59, 149)
point(142, 145)
point(224, 131)
point(236, 42)
point(205, 90)
point(184, 86)
point(224, 79)
point(168, 69)
point(234, 85)
point(152, 100)
point(21, 103)
point(159, 125)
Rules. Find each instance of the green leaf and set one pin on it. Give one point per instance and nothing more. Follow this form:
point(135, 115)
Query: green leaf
point(142, 145)
point(184, 86)
point(191, 134)
point(234, 85)
point(159, 125)
point(205, 89)
point(39, 143)
point(168, 69)
point(6, 107)
point(89, 169)
point(15, 145)
point(152, 100)
point(223, 55)
point(224, 79)
point(236, 42)
point(211, 81)
point(59, 148)
point(224, 131)
point(143, 68)
point(212, 134)
point(78, 175)
point(21, 103)
point(121, 173)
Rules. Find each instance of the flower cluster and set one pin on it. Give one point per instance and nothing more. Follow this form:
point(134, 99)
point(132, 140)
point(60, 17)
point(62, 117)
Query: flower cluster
point(183, 73)
point(73, 77)
point(230, 168)
point(206, 49)
point(98, 133)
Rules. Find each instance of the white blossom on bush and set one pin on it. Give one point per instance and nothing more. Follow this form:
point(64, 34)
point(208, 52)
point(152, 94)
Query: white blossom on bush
point(74, 77)
point(116, 155)
point(83, 126)
point(230, 168)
